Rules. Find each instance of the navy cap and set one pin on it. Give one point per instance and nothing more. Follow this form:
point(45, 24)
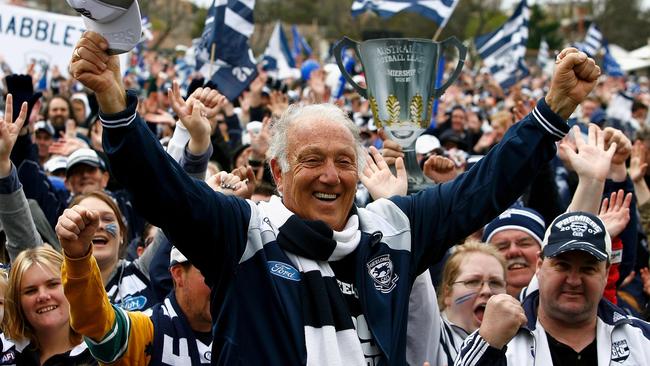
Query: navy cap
point(577, 231)
point(519, 218)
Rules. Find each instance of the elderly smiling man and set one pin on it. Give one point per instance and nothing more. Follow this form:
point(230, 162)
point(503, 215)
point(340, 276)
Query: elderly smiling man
point(275, 268)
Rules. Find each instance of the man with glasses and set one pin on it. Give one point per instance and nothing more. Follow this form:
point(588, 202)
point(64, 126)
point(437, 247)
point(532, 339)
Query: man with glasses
point(566, 321)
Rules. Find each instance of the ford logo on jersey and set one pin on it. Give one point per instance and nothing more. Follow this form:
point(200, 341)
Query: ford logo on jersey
point(283, 270)
point(133, 303)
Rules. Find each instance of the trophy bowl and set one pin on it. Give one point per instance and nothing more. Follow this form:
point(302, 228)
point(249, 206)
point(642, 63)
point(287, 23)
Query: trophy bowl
point(401, 78)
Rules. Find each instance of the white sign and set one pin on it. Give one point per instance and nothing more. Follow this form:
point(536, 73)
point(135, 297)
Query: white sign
point(31, 36)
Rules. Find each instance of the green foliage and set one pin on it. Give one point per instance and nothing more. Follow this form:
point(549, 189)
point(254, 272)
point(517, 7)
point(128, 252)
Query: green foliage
point(623, 23)
point(541, 25)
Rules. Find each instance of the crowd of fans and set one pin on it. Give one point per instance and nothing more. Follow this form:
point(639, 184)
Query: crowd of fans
point(106, 267)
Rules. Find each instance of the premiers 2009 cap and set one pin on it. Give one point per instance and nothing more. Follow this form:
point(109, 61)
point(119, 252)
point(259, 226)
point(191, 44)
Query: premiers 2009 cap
point(116, 20)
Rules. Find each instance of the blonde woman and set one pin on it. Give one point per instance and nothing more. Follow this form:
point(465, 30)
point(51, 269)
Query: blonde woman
point(473, 273)
point(37, 313)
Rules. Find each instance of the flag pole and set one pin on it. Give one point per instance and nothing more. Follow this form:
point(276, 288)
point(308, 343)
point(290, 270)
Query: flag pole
point(438, 31)
point(212, 50)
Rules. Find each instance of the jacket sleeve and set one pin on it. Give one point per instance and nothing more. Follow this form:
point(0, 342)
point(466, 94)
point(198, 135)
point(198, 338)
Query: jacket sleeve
point(445, 214)
point(16, 217)
point(110, 333)
point(475, 351)
point(208, 227)
point(36, 185)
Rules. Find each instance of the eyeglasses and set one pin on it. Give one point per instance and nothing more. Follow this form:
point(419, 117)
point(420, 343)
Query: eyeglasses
point(475, 284)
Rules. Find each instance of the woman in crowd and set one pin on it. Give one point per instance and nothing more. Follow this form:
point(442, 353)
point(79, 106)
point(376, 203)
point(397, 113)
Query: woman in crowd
point(37, 316)
point(127, 283)
point(473, 273)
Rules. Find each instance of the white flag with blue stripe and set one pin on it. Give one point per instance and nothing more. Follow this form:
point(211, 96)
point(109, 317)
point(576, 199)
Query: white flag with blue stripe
point(503, 50)
point(437, 10)
point(277, 56)
point(611, 66)
point(593, 41)
point(228, 26)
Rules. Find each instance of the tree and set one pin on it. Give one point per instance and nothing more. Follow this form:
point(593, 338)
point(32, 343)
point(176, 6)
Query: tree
point(542, 26)
point(623, 23)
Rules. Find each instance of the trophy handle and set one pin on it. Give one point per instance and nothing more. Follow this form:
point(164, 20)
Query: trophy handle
point(462, 53)
point(338, 48)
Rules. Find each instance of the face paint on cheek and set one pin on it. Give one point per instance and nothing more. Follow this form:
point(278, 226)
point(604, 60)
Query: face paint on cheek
point(464, 298)
point(111, 229)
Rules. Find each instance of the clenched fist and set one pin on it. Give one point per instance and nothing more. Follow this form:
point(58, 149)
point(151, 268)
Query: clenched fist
point(75, 229)
point(502, 319)
point(574, 78)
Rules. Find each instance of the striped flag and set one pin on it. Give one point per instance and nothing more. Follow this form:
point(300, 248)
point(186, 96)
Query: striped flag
point(300, 45)
point(228, 27)
point(542, 54)
point(277, 57)
point(611, 66)
point(437, 10)
point(348, 64)
point(593, 41)
point(503, 50)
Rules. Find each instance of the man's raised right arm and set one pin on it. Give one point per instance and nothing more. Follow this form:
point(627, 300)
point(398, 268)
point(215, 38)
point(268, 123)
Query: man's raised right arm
point(208, 227)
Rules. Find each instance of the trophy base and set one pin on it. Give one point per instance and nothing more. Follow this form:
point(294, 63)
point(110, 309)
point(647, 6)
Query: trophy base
point(417, 181)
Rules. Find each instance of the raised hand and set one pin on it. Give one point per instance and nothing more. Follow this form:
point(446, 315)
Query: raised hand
point(379, 180)
point(391, 149)
point(439, 169)
point(212, 100)
point(96, 70)
point(615, 212)
point(279, 103)
point(240, 182)
point(623, 144)
point(9, 131)
point(638, 163)
point(75, 230)
point(593, 158)
point(502, 319)
point(574, 78)
point(66, 146)
point(194, 118)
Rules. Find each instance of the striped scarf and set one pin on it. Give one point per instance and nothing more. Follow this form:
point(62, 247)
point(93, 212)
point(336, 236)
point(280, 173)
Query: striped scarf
point(330, 334)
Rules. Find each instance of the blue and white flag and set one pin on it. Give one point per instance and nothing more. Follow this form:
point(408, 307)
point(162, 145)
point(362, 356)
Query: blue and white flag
point(611, 66)
point(228, 27)
point(300, 45)
point(593, 41)
point(542, 54)
point(348, 64)
point(503, 50)
point(437, 10)
point(277, 56)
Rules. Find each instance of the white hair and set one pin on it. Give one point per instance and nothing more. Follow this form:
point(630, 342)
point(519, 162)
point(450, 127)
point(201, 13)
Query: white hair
point(308, 113)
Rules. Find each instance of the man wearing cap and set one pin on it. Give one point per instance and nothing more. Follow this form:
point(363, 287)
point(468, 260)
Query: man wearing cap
point(85, 172)
point(566, 321)
point(517, 234)
point(178, 331)
point(43, 137)
point(309, 278)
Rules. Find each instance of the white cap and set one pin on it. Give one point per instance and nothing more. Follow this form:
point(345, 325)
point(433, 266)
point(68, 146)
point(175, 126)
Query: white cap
point(116, 20)
point(426, 143)
point(55, 163)
point(252, 128)
point(176, 257)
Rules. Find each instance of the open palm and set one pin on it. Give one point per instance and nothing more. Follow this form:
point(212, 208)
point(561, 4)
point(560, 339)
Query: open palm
point(9, 129)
